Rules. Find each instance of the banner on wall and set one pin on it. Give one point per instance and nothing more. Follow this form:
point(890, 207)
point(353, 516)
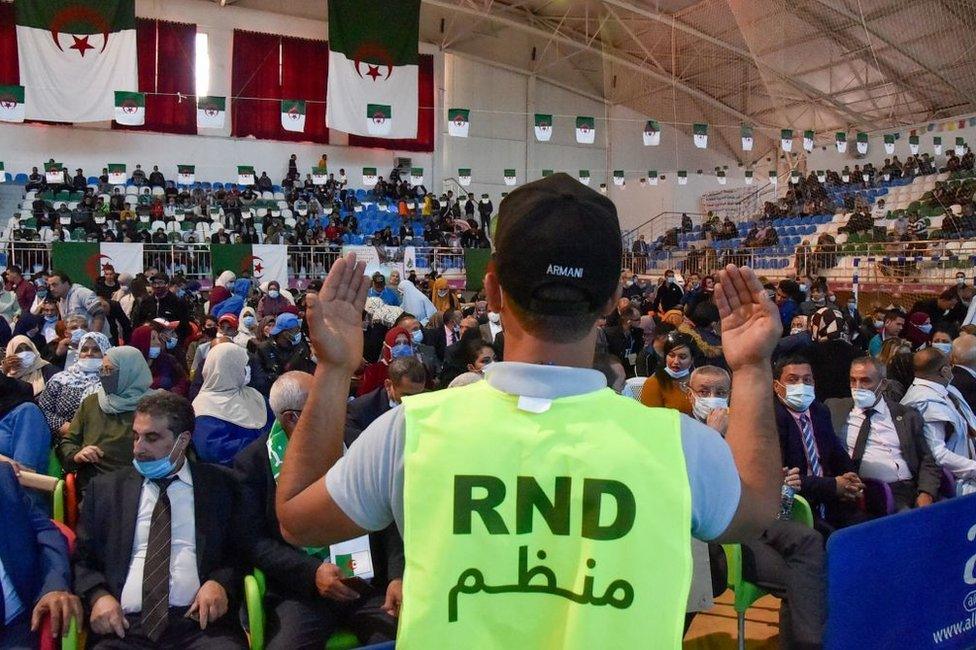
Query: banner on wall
point(85, 261)
point(457, 122)
point(11, 103)
point(293, 115)
point(245, 175)
point(211, 112)
point(54, 173)
point(116, 174)
point(262, 262)
point(737, 203)
point(185, 174)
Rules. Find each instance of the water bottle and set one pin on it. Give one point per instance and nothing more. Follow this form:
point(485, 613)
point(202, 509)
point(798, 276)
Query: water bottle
point(786, 503)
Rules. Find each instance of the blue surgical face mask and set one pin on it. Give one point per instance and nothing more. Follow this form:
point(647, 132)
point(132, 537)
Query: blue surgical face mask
point(51, 319)
point(401, 350)
point(417, 336)
point(798, 397)
point(944, 348)
point(677, 374)
point(274, 293)
point(159, 468)
point(76, 336)
point(248, 321)
point(171, 343)
point(180, 292)
point(154, 351)
point(295, 338)
point(863, 397)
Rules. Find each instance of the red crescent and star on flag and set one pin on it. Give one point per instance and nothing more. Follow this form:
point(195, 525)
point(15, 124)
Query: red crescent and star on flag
point(373, 52)
point(76, 14)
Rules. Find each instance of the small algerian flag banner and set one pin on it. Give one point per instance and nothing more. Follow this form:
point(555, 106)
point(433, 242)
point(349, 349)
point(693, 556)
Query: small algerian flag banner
point(795, 177)
point(245, 175)
point(682, 177)
point(808, 141)
point(960, 146)
point(320, 175)
point(211, 112)
point(369, 176)
point(116, 174)
point(749, 175)
point(821, 176)
point(866, 177)
point(543, 127)
point(913, 144)
point(130, 108)
point(457, 122)
point(700, 132)
point(652, 133)
point(840, 139)
point(293, 115)
point(745, 131)
point(585, 129)
point(185, 174)
point(937, 145)
point(886, 176)
point(862, 142)
point(889, 143)
point(618, 177)
point(53, 172)
point(652, 177)
point(720, 176)
point(546, 172)
point(3, 174)
point(773, 178)
point(603, 188)
point(464, 177)
point(11, 103)
point(416, 176)
point(845, 176)
point(786, 139)
point(584, 176)
point(510, 177)
point(379, 119)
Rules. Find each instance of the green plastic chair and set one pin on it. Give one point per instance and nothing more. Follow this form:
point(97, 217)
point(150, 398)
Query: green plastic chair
point(255, 586)
point(747, 593)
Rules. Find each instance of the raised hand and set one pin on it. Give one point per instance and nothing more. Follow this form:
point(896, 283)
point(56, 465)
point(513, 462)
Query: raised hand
point(335, 315)
point(751, 324)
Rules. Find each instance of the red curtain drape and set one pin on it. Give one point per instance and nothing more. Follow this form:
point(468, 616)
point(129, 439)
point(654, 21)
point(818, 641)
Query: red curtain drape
point(167, 66)
point(304, 75)
point(9, 67)
point(425, 116)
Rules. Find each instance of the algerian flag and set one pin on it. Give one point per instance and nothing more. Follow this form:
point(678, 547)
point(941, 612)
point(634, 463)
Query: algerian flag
point(293, 115)
point(889, 143)
point(464, 177)
point(913, 144)
point(84, 261)
point(682, 177)
point(700, 132)
point(53, 172)
point(585, 130)
point(960, 146)
point(840, 139)
point(416, 176)
point(11, 103)
point(808, 141)
point(773, 179)
point(379, 120)
point(618, 177)
point(543, 127)
point(320, 175)
point(937, 145)
point(845, 176)
point(245, 175)
point(745, 132)
point(652, 177)
point(211, 112)
point(116, 174)
point(865, 177)
point(652, 133)
point(749, 174)
point(795, 177)
point(584, 176)
point(3, 175)
point(886, 176)
point(369, 176)
point(185, 174)
point(130, 108)
point(821, 176)
point(510, 177)
point(720, 176)
point(786, 139)
point(73, 55)
point(457, 122)
point(373, 67)
point(862, 142)
point(261, 262)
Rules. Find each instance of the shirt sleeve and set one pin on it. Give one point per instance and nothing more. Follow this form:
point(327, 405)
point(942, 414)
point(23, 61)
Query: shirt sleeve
point(713, 478)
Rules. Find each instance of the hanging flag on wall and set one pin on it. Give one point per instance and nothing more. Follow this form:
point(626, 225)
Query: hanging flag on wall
point(808, 137)
point(416, 176)
point(700, 135)
point(786, 139)
point(913, 144)
point(795, 177)
point(618, 177)
point(652, 133)
point(682, 177)
point(543, 127)
point(185, 174)
point(889, 143)
point(211, 112)
point(652, 177)
point(960, 146)
point(937, 144)
point(510, 177)
point(369, 176)
point(464, 177)
point(262, 262)
point(373, 60)
point(862, 142)
point(293, 115)
point(116, 174)
point(546, 173)
point(745, 132)
point(773, 179)
point(720, 176)
point(54, 172)
point(840, 139)
point(749, 176)
point(584, 176)
point(11, 103)
point(821, 176)
point(320, 175)
point(457, 122)
point(130, 108)
point(245, 175)
point(585, 130)
point(84, 261)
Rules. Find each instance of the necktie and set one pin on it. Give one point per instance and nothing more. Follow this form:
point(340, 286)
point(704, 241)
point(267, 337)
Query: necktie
point(862, 437)
point(813, 456)
point(155, 573)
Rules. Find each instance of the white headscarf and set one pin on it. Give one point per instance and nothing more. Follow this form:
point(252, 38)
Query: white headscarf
point(225, 394)
point(416, 303)
point(243, 333)
point(225, 279)
point(31, 374)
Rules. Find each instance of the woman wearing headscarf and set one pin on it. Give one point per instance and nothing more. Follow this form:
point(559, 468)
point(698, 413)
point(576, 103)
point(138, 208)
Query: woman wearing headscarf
point(24, 435)
point(667, 387)
point(235, 303)
point(416, 303)
point(152, 341)
point(99, 438)
point(221, 289)
point(66, 390)
point(442, 296)
point(24, 362)
point(123, 295)
point(273, 302)
point(396, 343)
point(247, 327)
point(229, 413)
point(830, 354)
point(918, 329)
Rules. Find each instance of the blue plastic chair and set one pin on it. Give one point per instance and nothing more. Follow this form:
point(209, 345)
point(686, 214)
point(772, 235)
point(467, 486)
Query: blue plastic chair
point(21, 179)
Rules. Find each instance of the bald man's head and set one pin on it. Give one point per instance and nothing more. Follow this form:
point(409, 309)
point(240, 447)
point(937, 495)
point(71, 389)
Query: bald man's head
point(930, 364)
point(964, 351)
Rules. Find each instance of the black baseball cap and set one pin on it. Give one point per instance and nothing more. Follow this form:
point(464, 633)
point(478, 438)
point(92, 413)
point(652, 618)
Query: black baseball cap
point(558, 232)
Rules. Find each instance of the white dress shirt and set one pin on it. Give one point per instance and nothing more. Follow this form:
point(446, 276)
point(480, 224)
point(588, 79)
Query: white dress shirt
point(184, 580)
point(882, 459)
point(495, 329)
point(11, 602)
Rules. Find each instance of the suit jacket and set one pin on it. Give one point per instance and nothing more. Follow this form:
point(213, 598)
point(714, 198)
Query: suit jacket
point(966, 384)
point(436, 337)
point(361, 412)
point(914, 449)
point(33, 550)
point(834, 459)
point(618, 345)
point(291, 571)
point(107, 526)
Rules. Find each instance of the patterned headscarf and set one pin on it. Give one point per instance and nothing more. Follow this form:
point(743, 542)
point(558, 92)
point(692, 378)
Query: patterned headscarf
point(828, 324)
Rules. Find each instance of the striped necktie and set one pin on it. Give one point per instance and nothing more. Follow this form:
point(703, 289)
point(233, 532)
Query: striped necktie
point(813, 456)
point(155, 571)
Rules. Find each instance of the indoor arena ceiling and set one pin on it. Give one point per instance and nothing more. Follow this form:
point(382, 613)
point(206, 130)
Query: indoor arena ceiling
point(801, 64)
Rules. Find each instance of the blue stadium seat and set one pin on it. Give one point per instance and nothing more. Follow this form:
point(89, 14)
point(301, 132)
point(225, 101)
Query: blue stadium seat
point(21, 179)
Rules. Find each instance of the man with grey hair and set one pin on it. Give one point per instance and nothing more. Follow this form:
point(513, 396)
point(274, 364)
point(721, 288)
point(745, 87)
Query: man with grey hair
point(709, 388)
point(287, 397)
point(964, 368)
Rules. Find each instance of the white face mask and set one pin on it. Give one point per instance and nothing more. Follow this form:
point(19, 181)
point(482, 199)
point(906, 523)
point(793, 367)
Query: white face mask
point(878, 324)
point(704, 406)
point(90, 365)
point(494, 318)
point(863, 397)
point(797, 330)
point(798, 397)
point(679, 374)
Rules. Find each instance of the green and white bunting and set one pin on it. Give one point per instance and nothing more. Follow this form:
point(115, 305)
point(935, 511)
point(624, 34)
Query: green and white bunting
point(618, 177)
point(913, 144)
point(374, 67)
point(186, 174)
point(808, 137)
point(652, 177)
point(840, 140)
point(795, 177)
point(116, 174)
point(546, 173)
point(584, 176)
point(786, 140)
point(320, 175)
point(746, 133)
point(700, 135)
point(937, 145)
point(862, 142)
point(845, 176)
point(54, 172)
point(889, 143)
point(293, 115)
point(510, 177)
point(245, 175)
point(416, 176)
point(457, 122)
point(130, 108)
point(543, 127)
point(773, 178)
point(682, 177)
point(11, 103)
point(585, 130)
point(960, 146)
point(720, 176)
point(464, 177)
point(749, 176)
point(652, 133)
point(821, 176)
point(211, 112)
point(603, 188)
point(369, 176)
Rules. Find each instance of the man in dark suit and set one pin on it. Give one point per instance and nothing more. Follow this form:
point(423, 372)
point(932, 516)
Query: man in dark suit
point(157, 555)
point(440, 338)
point(625, 340)
point(668, 294)
point(34, 569)
point(807, 442)
point(407, 376)
point(886, 440)
point(307, 592)
point(964, 370)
